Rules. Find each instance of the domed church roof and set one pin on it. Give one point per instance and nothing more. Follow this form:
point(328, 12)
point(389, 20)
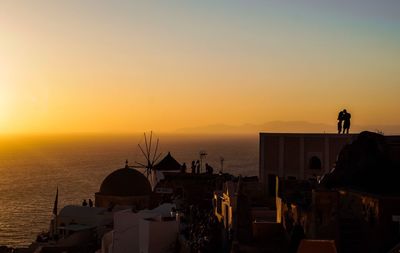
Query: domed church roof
point(125, 182)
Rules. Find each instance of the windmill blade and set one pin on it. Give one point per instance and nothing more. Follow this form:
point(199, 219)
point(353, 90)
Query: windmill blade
point(151, 136)
point(147, 147)
point(148, 171)
point(158, 157)
point(141, 149)
point(136, 166)
point(150, 155)
point(155, 152)
point(141, 164)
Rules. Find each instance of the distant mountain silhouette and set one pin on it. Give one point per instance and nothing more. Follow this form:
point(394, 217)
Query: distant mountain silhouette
point(286, 127)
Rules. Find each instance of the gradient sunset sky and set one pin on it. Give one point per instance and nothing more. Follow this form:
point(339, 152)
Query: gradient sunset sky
point(131, 66)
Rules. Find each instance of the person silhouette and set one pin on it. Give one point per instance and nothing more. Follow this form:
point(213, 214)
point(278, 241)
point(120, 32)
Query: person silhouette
point(193, 167)
point(340, 122)
point(209, 169)
point(183, 168)
point(197, 167)
point(346, 121)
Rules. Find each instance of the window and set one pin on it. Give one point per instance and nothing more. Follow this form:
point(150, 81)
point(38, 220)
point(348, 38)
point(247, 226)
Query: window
point(272, 184)
point(315, 163)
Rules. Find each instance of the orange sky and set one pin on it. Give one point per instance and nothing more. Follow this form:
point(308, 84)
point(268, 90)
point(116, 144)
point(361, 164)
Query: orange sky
point(104, 67)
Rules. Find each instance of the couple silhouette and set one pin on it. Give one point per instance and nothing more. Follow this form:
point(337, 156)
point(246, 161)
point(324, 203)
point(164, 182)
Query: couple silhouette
point(344, 122)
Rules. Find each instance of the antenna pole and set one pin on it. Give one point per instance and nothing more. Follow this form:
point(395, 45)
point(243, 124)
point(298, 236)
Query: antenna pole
point(203, 154)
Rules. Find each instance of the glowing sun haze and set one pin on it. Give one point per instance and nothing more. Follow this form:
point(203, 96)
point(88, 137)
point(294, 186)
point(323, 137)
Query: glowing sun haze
point(130, 66)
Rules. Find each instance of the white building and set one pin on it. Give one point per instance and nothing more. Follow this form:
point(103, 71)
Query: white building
point(147, 231)
point(83, 215)
point(75, 226)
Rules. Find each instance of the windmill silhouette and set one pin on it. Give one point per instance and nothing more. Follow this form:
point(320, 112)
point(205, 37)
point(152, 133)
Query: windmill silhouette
point(151, 156)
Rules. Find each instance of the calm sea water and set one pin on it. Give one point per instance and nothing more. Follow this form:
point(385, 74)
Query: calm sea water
point(31, 168)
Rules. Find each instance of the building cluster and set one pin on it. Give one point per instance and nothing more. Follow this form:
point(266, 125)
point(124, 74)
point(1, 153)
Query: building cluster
point(325, 193)
point(131, 215)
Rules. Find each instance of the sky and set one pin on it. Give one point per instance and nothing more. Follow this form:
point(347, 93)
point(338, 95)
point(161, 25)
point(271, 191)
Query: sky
point(133, 66)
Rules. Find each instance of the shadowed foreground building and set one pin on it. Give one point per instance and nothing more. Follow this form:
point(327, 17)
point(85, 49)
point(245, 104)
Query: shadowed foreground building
point(245, 219)
point(357, 204)
point(298, 155)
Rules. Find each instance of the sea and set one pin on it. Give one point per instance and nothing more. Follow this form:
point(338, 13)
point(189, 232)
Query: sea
point(33, 167)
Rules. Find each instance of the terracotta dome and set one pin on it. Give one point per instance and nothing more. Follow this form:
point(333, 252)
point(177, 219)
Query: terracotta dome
point(125, 182)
